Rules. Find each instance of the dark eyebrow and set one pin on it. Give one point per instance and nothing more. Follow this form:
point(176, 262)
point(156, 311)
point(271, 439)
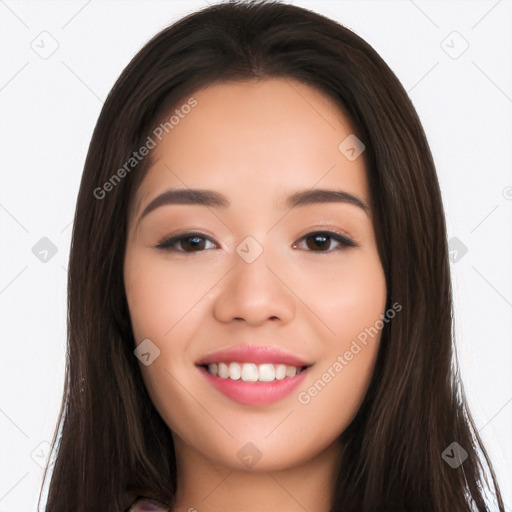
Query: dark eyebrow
point(186, 196)
point(216, 200)
point(318, 195)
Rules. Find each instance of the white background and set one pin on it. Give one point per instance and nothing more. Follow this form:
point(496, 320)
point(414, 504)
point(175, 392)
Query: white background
point(48, 111)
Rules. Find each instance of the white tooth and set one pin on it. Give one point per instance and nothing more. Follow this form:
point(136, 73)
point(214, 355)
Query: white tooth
point(234, 371)
point(280, 371)
point(290, 371)
point(266, 372)
point(249, 372)
point(223, 371)
point(212, 368)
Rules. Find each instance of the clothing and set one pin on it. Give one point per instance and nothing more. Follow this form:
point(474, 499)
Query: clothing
point(148, 505)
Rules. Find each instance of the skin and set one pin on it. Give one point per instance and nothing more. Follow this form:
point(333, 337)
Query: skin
point(256, 143)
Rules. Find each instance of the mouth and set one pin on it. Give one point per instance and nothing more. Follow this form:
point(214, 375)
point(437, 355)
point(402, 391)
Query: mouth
point(251, 372)
point(254, 375)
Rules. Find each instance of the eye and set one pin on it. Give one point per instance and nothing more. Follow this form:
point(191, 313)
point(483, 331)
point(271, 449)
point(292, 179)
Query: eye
point(325, 241)
point(321, 241)
point(186, 242)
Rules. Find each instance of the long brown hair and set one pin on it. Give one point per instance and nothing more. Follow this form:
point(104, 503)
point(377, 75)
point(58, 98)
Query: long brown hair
point(111, 443)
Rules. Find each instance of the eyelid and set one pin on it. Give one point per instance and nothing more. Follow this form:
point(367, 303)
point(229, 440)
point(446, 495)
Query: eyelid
point(345, 240)
point(327, 228)
point(167, 242)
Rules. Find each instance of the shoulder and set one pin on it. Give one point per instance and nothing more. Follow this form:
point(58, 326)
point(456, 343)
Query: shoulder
point(148, 505)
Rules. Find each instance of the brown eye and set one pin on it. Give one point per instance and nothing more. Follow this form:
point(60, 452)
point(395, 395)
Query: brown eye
point(325, 242)
point(188, 242)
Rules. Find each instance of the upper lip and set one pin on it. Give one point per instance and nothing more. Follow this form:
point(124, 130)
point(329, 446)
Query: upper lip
point(253, 354)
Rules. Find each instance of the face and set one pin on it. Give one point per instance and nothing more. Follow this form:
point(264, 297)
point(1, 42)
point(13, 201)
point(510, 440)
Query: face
point(272, 267)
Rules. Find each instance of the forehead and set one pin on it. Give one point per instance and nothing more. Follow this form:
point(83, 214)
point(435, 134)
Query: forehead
point(255, 139)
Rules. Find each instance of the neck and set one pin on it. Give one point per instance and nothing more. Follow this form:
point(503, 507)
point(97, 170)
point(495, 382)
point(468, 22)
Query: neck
point(203, 486)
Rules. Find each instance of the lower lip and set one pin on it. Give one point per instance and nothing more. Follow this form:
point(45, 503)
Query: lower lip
point(255, 393)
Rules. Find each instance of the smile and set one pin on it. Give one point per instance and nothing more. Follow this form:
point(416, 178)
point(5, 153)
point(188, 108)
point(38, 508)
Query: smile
point(254, 392)
point(253, 375)
point(250, 372)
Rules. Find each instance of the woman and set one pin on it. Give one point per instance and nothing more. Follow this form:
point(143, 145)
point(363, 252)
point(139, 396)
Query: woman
point(259, 289)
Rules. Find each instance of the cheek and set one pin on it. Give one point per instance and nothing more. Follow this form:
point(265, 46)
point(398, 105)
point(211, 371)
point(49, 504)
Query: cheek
point(350, 303)
point(160, 294)
point(347, 296)
point(361, 298)
point(164, 303)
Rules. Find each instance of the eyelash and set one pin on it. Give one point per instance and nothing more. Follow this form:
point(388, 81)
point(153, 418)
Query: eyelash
point(168, 243)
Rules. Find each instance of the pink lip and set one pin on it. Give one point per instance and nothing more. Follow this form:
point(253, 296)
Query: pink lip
point(255, 393)
point(253, 354)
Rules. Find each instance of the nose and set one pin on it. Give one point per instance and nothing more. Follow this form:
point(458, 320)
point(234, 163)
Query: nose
point(254, 293)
